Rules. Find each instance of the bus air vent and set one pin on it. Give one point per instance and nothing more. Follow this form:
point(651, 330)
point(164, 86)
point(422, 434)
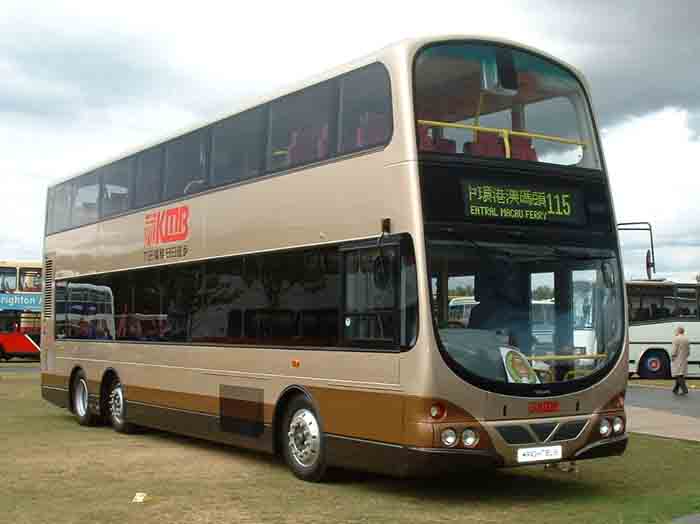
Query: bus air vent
point(543, 430)
point(569, 430)
point(48, 288)
point(515, 434)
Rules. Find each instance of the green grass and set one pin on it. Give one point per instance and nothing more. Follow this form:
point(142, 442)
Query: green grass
point(60, 472)
point(19, 363)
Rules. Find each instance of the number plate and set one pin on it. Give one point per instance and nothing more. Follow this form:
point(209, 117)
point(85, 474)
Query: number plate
point(539, 454)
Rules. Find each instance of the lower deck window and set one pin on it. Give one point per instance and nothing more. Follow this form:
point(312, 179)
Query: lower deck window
point(290, 298)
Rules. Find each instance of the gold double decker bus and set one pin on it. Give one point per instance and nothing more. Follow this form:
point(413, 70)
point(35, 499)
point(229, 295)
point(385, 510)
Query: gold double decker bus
point(279, 279)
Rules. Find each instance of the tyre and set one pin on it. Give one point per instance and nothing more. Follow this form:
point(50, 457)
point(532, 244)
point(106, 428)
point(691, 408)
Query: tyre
point(303, 441)
point(80, 403)
point(116, 408)
point(655, 364)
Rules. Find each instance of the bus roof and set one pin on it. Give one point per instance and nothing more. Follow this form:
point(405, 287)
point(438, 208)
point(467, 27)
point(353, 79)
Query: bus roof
point(406, 48)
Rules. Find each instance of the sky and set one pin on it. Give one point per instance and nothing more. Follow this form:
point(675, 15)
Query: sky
point(84, 82)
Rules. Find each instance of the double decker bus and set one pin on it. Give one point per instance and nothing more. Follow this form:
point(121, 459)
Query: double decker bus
point(20, 307)
point(293, 262)
point(656, 309)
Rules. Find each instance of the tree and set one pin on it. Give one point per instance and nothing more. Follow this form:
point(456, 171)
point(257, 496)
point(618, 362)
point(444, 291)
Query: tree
point(542, 293)
point(462, 291)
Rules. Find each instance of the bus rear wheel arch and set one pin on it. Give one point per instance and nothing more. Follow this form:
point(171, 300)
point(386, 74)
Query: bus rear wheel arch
point(80, 399)
point(655, 364)
point(113, 402)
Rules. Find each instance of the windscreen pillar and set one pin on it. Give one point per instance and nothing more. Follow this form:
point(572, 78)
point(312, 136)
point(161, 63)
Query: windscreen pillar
point(443, 295)
point(564, 321)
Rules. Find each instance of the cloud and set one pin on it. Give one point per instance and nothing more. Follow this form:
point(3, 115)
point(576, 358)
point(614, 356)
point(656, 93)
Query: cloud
point(83, 82)
point(638, 55)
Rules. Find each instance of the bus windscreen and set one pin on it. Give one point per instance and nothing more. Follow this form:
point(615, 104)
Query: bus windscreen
point(487, 100)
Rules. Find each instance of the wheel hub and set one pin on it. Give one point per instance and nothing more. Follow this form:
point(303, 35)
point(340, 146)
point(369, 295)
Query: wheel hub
point(81, 398)
point(304, 438)
point(116, 403)
point(654, 364)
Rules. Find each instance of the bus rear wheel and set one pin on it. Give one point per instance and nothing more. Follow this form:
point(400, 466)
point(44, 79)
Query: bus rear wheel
point(655, 365)
point(303, 441)
point(116, 408)
point(80, 402)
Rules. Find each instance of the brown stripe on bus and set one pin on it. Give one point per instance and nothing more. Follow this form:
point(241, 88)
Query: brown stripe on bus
point(379, 416)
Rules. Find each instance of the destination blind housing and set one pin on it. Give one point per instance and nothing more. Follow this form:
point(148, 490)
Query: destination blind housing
point(492, 200)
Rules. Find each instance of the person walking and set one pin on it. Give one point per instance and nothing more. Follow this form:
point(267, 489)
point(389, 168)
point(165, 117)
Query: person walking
point(679, 361)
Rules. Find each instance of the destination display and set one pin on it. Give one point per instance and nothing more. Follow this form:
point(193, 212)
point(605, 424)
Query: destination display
point(20, 301)
point(489, 200)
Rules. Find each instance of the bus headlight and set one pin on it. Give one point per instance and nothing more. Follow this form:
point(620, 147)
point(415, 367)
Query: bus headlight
point(605, 428)
point(470, 438)
point(448, 437)
point(618, 425)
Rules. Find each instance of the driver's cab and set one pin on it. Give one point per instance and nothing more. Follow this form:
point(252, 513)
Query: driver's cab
point(542, 312)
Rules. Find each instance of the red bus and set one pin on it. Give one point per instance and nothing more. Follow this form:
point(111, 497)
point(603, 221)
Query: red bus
point(20, 309)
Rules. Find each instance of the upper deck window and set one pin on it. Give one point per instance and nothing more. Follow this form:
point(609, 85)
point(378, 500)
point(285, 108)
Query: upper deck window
point(237, 147)
point(148, 177)
point(492, 101)
point(8, 279)
point(185, 160)
point(30, 279)
point(85, 194)
point(365, 108)
point(58, 215)
point(343, 115)
point(115, 188)
point(300, 127)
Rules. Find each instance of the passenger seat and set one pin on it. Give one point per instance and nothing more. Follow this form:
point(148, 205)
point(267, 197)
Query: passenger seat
point(521, 148)
point(488, 144)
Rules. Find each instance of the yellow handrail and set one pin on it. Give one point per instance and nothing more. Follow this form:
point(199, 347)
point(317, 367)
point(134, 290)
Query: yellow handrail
point(505, 133)
point(569, 357)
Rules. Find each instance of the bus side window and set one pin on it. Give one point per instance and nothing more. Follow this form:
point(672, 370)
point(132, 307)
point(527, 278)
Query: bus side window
point(116, 181)
point(366, 117)
point(85, 198)
point(237, 147)
point(370, 296)
point(299, 126)
point(185, 162)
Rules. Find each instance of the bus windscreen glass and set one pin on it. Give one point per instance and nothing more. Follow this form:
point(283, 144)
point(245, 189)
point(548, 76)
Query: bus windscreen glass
point(531, 315)
point(487, 100)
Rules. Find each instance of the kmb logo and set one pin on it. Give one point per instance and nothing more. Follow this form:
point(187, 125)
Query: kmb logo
point(545, 406)
point(169, 225)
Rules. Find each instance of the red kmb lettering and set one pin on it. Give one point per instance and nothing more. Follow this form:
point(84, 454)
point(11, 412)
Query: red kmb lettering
point(545, 406)
point(166, 226)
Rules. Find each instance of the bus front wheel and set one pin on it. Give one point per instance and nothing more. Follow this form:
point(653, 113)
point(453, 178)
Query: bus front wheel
point(655, 364)
point(303, 441)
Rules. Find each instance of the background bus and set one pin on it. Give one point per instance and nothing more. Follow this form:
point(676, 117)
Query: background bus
point(286, 271)
point(20, 307)
point(655, 309)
